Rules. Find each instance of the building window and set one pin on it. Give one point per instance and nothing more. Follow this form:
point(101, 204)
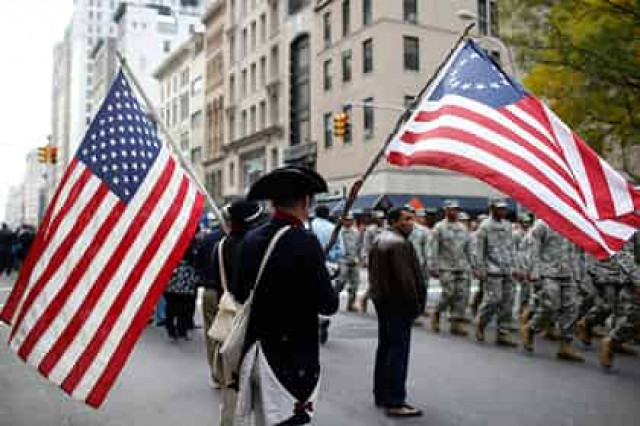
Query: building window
point(244, 84)
point(410, 11)
point(482, 16)
point(232, 174)
point(263, 71)
point(346, 66)
point(253, 119)
point(263, 115)
point(184, 141)
point(348, 137)
point(368, 119)
point(244, 43)
point(326, 25)
point(184, 107)
point(184, 77)
point(254, 36)
point(327, 74)
point(243, 124)
point(300, 85)
point(196, 85)
point(367, 56)
point(275, 63)
point(166, 46)
point(346, 17)
point(274, 19)
point(494, 15)
point(232, 125)
point(232, 88)
point(263, 28)
point(328, 130)
point(367, 12)
point(274, 158)
point(232, 48)
point(254, 78)
point(296, 5)
point(411, 54)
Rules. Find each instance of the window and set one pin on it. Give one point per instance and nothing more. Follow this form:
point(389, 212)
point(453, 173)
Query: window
point(232, 48)
point(166, 47)
point(174, 112)
point(253, 78)
point(184, 77)
point(243, 124)
point(232, 174)
point(326, 25)
point(196, 85)
point(296, 5)
point(327, 74)
point(263, 28)
point(244, 42)
point(346, 66)
point(275, 63)
point(348, 137)
point(482, 16)
point(244, 84)
point(184, 107)
point(232, 88)
point(196, 155)
point(328, 130)
point(494, 15)
point(253, 119)
point(346, 17)
point(263, 115)
point(167, 116)
point(410, 11)
point(367, 56)
point(274, 158)
point(411, 54)
point(367, 12)
point(232, 125)
point(300, 91)
point(196, 120)
point(254, 35)
point(273, 18)
point(368, 119)
point(263, 71)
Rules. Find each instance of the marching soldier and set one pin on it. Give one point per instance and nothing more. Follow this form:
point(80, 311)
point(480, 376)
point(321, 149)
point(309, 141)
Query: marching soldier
point(350, 261)
point(496, 263)
point(465, 219)
point(476, 300)
point(522, 244)
point(552, 258)
point(450, 261)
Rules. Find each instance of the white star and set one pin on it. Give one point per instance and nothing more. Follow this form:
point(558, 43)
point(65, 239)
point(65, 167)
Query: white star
point(144, 166)
point(120, 117)
point(94, 158)
point(134, 166)
point(126, 179)
point(126, 192)
point(123, 153)
point(105, 169)
point(85, 151)
point(102, 122)
point(114, 167)
point(109, 107)
point(123, 141)
point(125, 166)
point(110, 119)
point(132, 141)
point(102, 133)
point(114, 154)
point(134, 154)
point(130, 129)
point(455, 84)
point(116, 180)
point(121, 129)
point(93, 137)
point(126, 94)
point(135, 178)
point(112, 130)
point(127, 105)
point(112, 142)
point(129, 117)
point(494, 85)
point(103, 157)
point(118, 105)
point(93, 147)
point(103, 145)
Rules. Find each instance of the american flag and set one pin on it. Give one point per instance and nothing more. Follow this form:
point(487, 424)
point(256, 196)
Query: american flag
point(476, 120)
point(118, 224)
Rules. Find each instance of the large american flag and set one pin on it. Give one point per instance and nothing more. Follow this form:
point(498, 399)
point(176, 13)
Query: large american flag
point(119, 222)
point(476, 120)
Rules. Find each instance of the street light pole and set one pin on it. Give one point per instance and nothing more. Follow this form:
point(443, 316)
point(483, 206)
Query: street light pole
point(466, 15)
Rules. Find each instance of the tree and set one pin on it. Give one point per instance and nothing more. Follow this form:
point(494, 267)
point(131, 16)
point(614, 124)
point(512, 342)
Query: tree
point(583, 58)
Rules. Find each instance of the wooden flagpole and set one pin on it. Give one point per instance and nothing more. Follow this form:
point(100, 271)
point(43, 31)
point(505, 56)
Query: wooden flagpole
point(174, 147)
point(357, 186)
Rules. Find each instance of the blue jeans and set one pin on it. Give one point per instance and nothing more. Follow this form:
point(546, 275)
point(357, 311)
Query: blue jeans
point(161, 311)
point(392, 360)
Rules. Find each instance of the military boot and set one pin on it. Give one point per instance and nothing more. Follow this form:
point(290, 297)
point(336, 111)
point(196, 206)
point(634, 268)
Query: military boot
point(504, 339)
point(584, 333)
point(480, 326)
point(526, 337)
point(566, 353)
point(524, 315)
point(624, 349)
point(551, 335)
point(435, 321)
point(457, 328)
point(606, 353)
point(351, 303)
point(363, 304)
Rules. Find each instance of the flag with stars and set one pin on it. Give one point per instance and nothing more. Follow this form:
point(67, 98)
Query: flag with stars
point(119, 222)
point(475, 119)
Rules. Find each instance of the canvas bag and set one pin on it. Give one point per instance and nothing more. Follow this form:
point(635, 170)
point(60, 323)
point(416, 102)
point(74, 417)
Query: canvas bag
point(231, 350)
point(227, 308)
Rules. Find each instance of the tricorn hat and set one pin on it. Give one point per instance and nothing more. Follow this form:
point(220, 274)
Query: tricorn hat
point(245, 212)
point(287, 182)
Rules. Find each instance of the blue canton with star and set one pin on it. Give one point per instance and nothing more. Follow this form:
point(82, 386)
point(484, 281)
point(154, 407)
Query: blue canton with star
point(121, 144)
point(474, 75)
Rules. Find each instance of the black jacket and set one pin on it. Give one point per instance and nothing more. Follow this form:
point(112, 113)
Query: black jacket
point(294, 289)
point(396, 283)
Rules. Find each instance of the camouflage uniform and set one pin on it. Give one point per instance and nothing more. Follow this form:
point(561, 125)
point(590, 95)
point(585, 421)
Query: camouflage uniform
point(524, 245)
point(451, 255)
point(420, 237)
point(496, 261)
point(369, 235)
point(349, 264)
point(553, 260)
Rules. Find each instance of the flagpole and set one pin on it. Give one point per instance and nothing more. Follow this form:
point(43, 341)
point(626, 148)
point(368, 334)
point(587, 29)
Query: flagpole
point(174, 147)
point(357, 185)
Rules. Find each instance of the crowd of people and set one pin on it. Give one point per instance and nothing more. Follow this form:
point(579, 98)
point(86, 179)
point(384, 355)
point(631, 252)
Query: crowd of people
point(14, 246)
point(521, 274)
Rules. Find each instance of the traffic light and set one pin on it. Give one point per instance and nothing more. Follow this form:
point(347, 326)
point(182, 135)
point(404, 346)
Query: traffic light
point(341, 125)
point(43, 154)
point(53, 154)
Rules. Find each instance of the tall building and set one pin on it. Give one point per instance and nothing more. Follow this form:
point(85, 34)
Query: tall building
point(35, 189)
point(180, 78)
point(14, 209)
point(382, 53)
point(61, 104)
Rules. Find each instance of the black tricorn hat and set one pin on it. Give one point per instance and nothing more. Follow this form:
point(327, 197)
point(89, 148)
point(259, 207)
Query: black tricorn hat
point(287, 182)
point(244, 212)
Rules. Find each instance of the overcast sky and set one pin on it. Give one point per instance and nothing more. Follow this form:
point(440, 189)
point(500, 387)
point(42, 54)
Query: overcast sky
point(28, 32)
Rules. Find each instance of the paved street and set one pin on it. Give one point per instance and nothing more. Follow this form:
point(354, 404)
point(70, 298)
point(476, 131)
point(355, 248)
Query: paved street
point(457, 382)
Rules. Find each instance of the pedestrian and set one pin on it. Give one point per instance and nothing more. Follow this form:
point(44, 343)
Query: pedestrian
point(374, 227)
point(178, 294)
point(421, 239)
point(398, 294)
point(243, 216)
point(350, 262)
point(282, 343)
point(450, 262)
point(496, 263)
point(6, 249)
point(552, 258)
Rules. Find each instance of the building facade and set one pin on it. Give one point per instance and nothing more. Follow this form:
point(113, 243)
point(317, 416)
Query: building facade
point(180, 77)
point(381, 53)
point(14, 209)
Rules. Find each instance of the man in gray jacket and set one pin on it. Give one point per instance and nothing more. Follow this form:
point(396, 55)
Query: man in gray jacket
point(397, 292)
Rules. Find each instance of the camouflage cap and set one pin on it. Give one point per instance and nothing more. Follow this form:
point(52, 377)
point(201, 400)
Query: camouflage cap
point(451, 204)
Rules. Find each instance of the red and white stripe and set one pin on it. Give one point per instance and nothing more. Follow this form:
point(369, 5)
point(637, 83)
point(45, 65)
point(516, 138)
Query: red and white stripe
point(95, 272)
point(527, 152)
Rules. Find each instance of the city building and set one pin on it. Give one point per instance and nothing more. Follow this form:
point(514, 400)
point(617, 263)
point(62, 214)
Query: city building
point(214, 21)
point(61, 105)
point(181, 106)
point(35, 189)
point(105, 65)
point(382, 54)
point(14, 209)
